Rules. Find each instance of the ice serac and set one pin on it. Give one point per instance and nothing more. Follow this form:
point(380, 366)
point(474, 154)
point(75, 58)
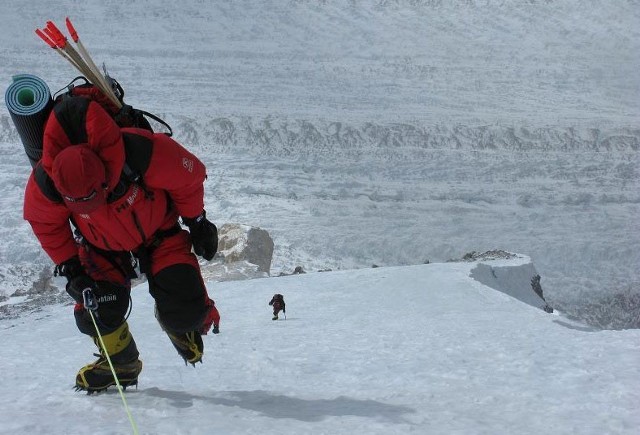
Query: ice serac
point(512, 274)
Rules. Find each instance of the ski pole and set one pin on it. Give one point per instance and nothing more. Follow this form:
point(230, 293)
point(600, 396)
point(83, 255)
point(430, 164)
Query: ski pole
point(53, 45)
point(63, 43)
point(91, 305)
point(60, 40)
point(54, 34)
point(90, 62)
point(56, 39)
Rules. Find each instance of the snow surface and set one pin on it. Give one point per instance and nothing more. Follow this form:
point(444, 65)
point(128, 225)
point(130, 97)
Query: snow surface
point(386, 132)
point(422, 349)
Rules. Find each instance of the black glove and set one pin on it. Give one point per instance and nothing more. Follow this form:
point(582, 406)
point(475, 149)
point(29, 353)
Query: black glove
point(77, 278)
point(70, 268)
point(204, 235)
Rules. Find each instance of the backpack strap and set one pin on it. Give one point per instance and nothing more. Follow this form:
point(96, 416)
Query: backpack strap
point(71, 114)
point(45, 183)
point(138, 150)
point(158, 120)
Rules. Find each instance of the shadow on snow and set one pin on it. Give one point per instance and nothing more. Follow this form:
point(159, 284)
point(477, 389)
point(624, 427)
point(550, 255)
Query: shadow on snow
point(279, 406)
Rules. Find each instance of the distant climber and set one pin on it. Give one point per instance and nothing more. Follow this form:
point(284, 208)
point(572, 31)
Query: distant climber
point(277, 302)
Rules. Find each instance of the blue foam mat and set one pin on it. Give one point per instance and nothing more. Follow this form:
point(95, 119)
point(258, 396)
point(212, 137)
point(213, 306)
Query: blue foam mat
point(39, 91)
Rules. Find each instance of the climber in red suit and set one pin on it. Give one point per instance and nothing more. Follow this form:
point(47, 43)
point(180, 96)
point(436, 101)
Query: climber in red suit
point(123, 190)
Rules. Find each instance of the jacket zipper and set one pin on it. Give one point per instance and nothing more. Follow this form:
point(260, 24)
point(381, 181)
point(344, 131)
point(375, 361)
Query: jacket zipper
point(134, 215)
point(96, 237)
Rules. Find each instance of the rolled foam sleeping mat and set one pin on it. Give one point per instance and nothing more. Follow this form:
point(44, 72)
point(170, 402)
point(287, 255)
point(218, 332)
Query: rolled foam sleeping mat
point(29, 102)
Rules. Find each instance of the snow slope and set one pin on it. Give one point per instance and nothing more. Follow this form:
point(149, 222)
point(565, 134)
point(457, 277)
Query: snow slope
point(386, 132)
point(416, 349)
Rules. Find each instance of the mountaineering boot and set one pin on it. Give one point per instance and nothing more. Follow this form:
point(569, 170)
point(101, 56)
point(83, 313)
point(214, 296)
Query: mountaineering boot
point(275, 317)
point(189, 346)
point(123, 352)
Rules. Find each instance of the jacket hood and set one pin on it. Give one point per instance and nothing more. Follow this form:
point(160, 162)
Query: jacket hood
point(78, 121)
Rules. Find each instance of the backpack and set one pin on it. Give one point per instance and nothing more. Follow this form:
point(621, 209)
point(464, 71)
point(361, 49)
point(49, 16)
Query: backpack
point(30, 102)
point(126, 116)
point(137, 157)
point(277, 301)
point(137, 148)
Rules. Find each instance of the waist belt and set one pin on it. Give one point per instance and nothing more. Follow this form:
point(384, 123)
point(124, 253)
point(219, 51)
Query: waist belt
point(144, 251)
point(125, 261)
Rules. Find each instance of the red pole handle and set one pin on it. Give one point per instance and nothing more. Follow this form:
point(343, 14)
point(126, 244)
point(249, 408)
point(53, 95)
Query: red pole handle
point(58, 37)
point(52, 37)
point(45, 38)
point(72, 30)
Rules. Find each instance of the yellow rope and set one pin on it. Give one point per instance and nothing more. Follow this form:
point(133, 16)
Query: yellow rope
point(113, 370)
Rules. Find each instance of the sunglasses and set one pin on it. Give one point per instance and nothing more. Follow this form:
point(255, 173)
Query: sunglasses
point(89, 197)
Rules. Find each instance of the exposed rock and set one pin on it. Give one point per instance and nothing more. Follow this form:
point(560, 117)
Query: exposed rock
point(244, 243)
point(31, 295)
point(243, 252)
point(494, 254)
point(297, 271)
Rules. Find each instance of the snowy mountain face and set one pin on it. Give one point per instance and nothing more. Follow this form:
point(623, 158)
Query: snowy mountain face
point(424, 349)
point(382, 132)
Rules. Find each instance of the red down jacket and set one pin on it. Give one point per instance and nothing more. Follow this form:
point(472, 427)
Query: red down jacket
point(174, 178)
